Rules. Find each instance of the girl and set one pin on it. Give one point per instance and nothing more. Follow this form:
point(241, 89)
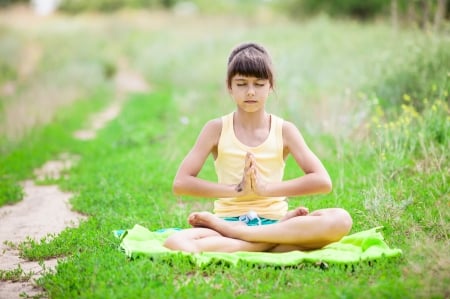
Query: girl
point(250, 147)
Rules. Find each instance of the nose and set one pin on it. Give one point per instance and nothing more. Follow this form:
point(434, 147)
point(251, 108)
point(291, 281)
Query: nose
point(251, 90)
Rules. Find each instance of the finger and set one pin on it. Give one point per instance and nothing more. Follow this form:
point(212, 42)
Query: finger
point(248, 160)
point(253, 178)
point(248, 178)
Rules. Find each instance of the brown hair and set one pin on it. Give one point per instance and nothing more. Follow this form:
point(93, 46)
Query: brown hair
point(250, 59)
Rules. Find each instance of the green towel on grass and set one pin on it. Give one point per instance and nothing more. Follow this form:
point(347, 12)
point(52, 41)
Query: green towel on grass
point(362, 246)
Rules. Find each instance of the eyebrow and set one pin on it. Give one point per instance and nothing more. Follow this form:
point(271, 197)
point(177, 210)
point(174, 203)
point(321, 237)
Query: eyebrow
point(246, 78)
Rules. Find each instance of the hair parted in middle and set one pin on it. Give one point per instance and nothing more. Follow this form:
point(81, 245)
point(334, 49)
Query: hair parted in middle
point(252, 60)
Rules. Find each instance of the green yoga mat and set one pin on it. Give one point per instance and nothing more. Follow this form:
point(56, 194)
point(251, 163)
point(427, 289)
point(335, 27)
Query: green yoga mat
point(366, 245)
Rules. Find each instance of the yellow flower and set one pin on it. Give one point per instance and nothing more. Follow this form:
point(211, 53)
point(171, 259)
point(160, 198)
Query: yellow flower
point(406, 97)
point(375, 120)
point(407, 121)
point(379, 111)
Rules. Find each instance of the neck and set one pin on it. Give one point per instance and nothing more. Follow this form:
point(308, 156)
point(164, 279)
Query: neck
point(251, 120)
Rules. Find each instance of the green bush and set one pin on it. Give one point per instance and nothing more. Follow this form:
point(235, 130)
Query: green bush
point(77, 6)
point(354, 8)
point(4, 3)
point(219, 6)
point(423, 76)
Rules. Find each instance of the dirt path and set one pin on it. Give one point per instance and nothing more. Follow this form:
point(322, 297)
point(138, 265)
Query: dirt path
point(46, 210)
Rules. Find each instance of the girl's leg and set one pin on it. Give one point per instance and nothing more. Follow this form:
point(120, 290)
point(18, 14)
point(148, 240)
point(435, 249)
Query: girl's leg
point(300, 211)
point(306, 232)
point(204, 239)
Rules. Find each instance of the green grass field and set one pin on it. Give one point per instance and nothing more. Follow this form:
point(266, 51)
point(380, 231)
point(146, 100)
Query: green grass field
point(371, 102)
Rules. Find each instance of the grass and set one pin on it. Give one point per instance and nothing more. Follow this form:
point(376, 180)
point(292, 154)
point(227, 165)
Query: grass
point(15, 275)
point(389, 162)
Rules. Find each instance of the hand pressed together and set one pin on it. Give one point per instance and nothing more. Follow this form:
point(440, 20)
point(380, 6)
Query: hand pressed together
point(251, 180)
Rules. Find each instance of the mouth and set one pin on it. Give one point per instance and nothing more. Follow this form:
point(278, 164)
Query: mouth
point(250, 102)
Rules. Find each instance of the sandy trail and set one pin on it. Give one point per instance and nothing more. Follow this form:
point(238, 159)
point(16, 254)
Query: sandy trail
point(46, 210)
point(49, 207)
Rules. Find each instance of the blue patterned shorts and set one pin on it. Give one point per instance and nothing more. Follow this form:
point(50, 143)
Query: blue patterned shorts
point(251, 219)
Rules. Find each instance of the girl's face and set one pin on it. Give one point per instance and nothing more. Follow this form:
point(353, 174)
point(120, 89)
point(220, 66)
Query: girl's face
point(249, 93)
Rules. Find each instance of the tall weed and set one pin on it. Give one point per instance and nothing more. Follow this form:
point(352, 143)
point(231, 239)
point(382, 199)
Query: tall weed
point(422, 74)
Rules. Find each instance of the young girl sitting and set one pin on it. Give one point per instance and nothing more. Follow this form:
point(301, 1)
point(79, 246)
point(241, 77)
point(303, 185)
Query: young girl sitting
point(250, 146)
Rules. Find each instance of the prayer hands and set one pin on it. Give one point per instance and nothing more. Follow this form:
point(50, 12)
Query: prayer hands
point(251, 182)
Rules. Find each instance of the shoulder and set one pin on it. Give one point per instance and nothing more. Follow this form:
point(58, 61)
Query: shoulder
point(211, 130)
point(289, 128)
point(291, 134)
point(214, 125)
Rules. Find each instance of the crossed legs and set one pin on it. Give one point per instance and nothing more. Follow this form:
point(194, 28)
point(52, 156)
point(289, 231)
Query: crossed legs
point(296, 231)
point(199, 239)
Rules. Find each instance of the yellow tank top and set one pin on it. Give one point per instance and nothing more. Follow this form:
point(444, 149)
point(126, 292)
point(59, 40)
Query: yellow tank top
point(229, 166)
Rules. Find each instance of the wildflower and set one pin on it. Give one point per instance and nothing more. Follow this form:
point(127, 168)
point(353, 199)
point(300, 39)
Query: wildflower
point(407, 121)
point(404, 108)
point(406, 97)
point(375, 120)
point(379, 111)
point(440, 103)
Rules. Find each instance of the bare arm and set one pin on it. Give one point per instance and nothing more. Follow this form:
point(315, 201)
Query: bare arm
point(316, 179)
point(186, 181)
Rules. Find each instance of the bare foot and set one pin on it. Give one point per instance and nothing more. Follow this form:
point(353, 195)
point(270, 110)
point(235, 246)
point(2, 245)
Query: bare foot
point(300, 211)
point(209, 220)
point(203, 219)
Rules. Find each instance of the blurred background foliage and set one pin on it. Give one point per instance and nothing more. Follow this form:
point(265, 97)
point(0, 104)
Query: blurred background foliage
point(416, 12)
point(414, 62)
point(424, 71)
